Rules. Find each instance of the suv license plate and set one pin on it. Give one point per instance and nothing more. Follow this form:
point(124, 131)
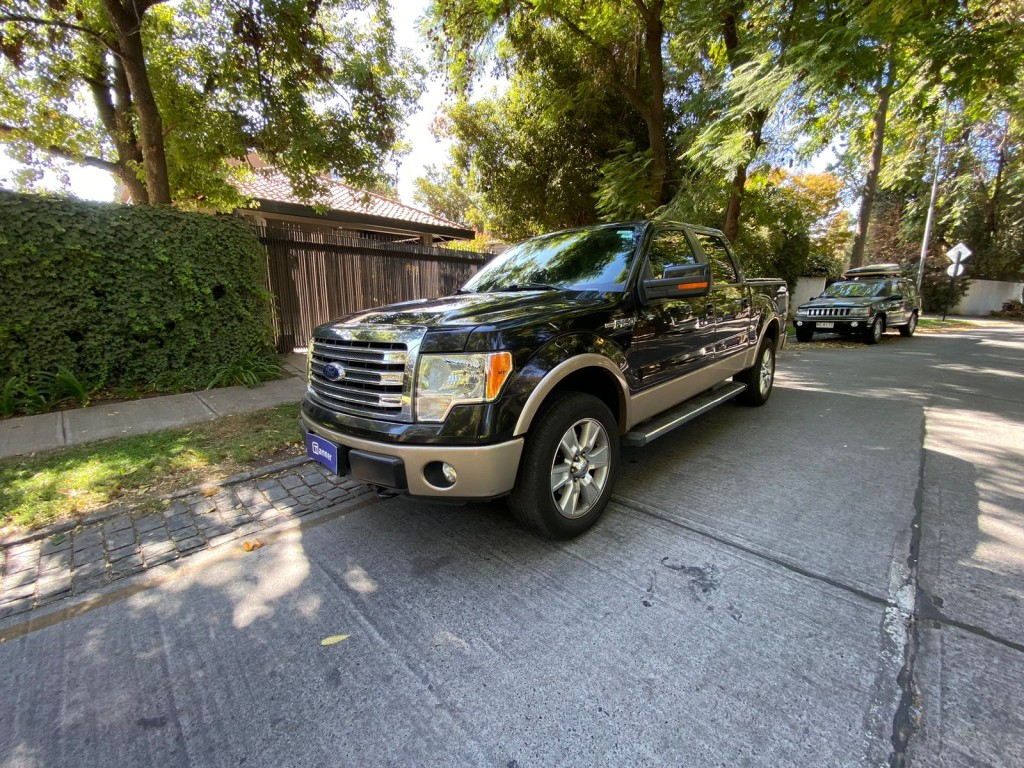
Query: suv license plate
point(825, 325)
point(323, 451)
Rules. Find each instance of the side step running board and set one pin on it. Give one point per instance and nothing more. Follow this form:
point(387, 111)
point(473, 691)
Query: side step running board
point(676, 417)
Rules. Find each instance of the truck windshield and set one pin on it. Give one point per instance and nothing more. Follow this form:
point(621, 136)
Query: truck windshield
point(580, 259)
point(855, 290)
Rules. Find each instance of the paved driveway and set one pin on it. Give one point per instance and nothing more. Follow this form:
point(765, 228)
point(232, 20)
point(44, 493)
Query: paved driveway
point(746, 601)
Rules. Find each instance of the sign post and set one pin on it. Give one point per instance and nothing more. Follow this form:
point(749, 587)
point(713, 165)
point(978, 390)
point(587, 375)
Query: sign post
point(957, 255)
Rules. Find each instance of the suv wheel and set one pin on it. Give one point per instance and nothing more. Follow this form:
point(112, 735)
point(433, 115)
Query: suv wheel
point(760, 377)
point(874, 331)
point(568, 467)
point(910, 327)
point(804, 333)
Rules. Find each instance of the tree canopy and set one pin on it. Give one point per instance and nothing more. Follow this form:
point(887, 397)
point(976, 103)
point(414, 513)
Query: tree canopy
point(701, 109)
point(170, 97)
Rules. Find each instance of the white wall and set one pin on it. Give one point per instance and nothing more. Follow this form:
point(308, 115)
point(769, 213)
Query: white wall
point(985, 296)
point(806, 289)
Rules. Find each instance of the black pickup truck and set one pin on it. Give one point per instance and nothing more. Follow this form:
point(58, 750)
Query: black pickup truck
point(525, 382)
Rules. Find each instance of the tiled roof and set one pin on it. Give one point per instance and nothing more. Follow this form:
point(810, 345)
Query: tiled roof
point(268, 183)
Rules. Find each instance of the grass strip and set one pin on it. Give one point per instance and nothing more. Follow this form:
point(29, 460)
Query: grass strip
point(937, 324)
point(75, 482)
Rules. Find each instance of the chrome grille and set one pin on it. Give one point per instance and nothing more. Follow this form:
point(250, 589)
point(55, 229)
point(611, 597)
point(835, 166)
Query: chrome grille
point(828, 312)
point(378, 363)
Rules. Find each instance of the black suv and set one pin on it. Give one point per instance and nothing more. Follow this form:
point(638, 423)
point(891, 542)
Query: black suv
point(866, 302)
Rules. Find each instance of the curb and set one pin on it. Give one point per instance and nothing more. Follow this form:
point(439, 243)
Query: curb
point(106, 514)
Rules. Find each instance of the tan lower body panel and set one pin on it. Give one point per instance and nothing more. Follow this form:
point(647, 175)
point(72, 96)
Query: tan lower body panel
point(653, 401)
point(483, 471)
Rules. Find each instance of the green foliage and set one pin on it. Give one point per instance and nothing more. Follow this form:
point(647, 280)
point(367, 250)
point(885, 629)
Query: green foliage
point(10, 396)
point(586, 77)
point(64, 385)
point(513, 173)
point(311, 86)
point(19, 396)
point(793, 224)
point(747, 89)
point(126, 297)
point(247, 371)
point(938, 292)
point(625, 190)
point(41, 392)
point(446, 192)
point(1012, 310)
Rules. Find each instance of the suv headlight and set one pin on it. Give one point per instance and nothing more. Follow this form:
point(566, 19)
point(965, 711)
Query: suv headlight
point(444, 381)
point(860, 311)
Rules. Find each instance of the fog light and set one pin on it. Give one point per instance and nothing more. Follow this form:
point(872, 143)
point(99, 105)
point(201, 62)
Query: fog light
point(449, 472)
point(799, 322)
point(854, 324)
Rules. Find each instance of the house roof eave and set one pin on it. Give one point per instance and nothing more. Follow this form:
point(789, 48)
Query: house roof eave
point(346, 217)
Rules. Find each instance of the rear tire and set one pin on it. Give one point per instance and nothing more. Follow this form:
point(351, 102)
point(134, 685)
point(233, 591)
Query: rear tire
point(910, 327)
point(760, 377)
point(874, 331)
point(804, 333)
point(568, 467)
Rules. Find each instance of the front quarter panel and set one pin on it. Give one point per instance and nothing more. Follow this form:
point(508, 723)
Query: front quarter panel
point(551, 364)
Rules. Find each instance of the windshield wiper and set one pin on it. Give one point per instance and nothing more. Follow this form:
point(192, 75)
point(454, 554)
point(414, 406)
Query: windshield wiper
point(528, 287)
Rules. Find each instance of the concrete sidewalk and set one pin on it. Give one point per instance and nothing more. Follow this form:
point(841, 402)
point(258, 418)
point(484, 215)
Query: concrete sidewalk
point(48, 431)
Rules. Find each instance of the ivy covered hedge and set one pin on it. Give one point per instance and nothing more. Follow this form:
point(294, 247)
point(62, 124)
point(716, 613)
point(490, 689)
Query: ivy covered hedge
point(128, 298)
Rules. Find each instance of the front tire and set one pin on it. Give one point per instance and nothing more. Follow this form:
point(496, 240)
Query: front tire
point(760, 377)
point(568, 467)
point(910, 327)
point(874, 332)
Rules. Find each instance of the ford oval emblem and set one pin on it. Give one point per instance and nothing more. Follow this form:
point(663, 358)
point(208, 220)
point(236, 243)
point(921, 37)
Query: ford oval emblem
point(333, 372)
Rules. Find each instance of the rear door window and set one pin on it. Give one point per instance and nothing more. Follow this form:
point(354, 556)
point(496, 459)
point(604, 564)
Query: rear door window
point(723, 271)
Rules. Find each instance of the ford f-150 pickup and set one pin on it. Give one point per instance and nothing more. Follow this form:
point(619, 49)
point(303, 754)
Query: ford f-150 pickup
point(526, 381)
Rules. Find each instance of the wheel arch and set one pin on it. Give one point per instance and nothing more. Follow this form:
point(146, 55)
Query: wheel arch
point(772, 330)
point(591, 373)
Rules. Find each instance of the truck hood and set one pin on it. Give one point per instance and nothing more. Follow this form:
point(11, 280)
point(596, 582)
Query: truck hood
point(473, 309)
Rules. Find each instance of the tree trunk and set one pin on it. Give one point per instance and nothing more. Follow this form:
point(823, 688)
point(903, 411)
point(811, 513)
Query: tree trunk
point(886, 82)
point(755, 124)
point(653, 38)
point(755, 128)
point(116, 119)
point(992, 205)
point(732, 211)
point(127, 23)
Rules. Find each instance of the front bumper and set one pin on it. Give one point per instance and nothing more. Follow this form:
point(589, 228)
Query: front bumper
point(483, 472)
point(833, 324)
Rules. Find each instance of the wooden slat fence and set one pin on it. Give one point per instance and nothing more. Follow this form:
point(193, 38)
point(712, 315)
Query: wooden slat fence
point(317, 276)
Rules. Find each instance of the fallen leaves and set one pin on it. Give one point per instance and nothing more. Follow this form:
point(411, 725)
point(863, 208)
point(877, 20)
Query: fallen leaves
point(334, 639)
point(250, 544)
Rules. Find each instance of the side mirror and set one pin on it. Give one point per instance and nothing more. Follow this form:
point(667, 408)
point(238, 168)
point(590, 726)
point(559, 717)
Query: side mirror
point(680, 282)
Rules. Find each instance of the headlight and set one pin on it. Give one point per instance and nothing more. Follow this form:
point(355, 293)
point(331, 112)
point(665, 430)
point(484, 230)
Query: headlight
point(860, 311)
point(443, 381)
point(309, 362)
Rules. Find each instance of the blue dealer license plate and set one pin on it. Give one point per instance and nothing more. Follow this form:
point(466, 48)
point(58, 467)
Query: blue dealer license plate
point(323, 451)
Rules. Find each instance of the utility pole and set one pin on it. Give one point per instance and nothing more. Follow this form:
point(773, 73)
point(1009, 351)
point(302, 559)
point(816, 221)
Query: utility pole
point(931, 204)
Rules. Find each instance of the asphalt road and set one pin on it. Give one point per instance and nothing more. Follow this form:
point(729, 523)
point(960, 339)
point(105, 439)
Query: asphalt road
point(834, 579)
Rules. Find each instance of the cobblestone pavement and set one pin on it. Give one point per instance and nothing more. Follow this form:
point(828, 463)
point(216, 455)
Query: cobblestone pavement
point(36, 573)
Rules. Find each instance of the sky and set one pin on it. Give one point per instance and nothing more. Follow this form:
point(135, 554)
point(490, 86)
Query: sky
point(93, 184)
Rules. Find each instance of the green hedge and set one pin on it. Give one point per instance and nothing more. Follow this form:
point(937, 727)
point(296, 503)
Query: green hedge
point(128, 298)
